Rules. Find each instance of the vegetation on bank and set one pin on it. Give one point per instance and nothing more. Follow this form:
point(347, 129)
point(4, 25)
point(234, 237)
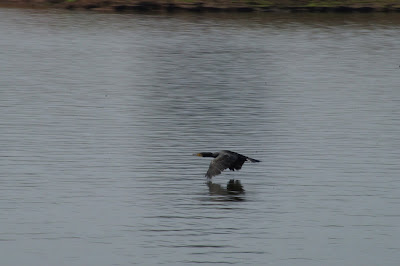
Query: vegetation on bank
point(217, 5)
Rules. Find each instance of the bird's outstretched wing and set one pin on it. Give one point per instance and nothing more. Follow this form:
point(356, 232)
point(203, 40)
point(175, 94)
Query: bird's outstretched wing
point(219, 164)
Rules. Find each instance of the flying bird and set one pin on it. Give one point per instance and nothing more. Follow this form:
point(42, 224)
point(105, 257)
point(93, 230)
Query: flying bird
point(223, 160)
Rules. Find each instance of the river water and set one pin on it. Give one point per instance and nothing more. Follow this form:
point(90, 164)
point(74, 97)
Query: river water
point(100, 114)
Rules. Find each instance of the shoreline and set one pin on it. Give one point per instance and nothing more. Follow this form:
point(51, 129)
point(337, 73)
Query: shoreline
point(343, 6)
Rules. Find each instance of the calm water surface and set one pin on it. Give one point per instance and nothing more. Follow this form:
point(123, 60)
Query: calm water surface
point(100, 113)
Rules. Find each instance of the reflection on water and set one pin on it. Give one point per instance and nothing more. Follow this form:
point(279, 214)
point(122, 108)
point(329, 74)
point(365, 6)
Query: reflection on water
point(100, 113)
point(232, 191)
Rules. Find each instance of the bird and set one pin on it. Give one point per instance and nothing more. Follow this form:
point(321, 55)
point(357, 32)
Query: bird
point(223, 160)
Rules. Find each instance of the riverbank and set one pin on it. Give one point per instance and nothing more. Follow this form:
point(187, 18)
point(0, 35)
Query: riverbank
point(216, 5)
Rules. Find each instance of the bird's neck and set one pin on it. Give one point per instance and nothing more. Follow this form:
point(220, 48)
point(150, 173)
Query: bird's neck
point(210, 154)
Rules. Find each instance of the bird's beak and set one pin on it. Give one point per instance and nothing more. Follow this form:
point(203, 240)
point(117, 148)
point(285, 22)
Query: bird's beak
point(197, 154)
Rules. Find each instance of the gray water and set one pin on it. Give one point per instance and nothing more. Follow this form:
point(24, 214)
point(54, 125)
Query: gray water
point(100, 115)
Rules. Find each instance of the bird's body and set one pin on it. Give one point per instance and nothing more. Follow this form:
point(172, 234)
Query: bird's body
point(223, 160)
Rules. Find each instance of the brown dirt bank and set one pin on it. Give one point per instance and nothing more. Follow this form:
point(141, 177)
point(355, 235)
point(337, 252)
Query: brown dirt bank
point(216, 5)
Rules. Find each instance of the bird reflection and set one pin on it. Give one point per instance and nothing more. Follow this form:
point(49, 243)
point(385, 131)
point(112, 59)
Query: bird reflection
point(232, 191)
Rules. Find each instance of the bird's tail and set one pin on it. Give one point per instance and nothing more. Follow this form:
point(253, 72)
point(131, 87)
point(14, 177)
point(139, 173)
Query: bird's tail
point(252, 160)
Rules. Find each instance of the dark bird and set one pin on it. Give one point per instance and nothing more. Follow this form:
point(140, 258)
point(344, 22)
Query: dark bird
point(223, 160)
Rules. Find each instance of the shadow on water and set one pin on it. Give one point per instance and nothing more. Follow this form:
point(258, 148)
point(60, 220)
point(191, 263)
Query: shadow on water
point(234, 190)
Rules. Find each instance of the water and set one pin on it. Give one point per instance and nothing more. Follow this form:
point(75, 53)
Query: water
point(100, 115)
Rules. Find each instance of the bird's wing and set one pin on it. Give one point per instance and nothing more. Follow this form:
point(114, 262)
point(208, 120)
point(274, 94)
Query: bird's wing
point(238, 163)
point(219, 164)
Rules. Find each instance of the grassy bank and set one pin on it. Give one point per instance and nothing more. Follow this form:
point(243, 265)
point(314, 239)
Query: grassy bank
point(217, 5)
